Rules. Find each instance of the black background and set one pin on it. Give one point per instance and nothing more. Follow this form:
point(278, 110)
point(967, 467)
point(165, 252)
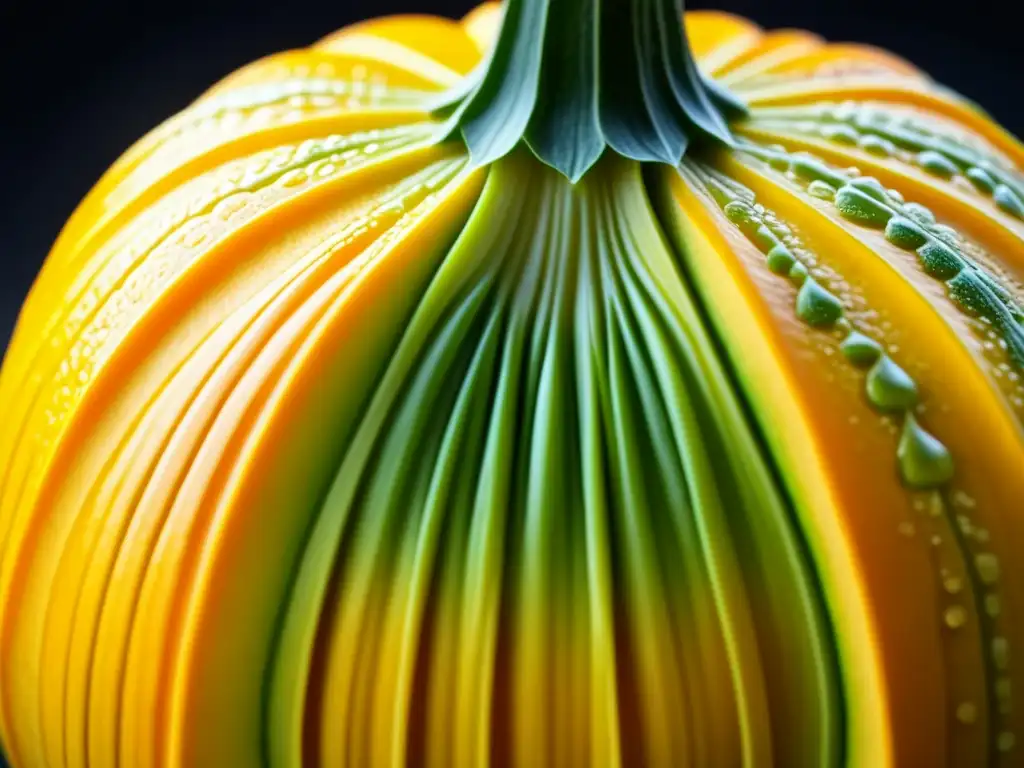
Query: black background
point(79, 84)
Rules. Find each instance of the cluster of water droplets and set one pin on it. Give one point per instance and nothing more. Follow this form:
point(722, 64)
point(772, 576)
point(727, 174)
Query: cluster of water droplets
point(924, 462)
point(288, 93)
point(888, 133)
point(989, 302)
point(981, 575)
point(134, 267)
point(889, 388)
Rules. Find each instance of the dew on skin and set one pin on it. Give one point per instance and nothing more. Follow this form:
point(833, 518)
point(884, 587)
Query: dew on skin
point(1006, 741)
point(1000, 653)
point(1002, 688)
point(993, 605)
point(963, 501)
point(967, 712)
point(955, 616)
point(987, 566)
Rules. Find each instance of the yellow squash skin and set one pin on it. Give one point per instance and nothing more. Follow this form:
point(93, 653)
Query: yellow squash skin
point(322, 445)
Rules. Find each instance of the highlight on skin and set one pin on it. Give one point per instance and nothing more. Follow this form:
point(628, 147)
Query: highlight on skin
point(470, 392)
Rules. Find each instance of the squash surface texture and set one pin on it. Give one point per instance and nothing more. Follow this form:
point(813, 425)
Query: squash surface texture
point(565, 385)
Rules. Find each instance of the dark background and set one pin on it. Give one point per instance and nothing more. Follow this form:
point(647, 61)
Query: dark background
point(79, 84)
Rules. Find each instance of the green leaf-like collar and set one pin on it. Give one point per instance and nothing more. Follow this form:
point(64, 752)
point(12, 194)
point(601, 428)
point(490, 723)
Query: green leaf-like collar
point(571, 77)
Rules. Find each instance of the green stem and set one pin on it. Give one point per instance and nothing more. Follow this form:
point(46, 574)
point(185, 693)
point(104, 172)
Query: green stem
point(571, 77)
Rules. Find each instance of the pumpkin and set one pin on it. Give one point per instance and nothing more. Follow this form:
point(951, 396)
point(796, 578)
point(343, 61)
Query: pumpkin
point(563, 385)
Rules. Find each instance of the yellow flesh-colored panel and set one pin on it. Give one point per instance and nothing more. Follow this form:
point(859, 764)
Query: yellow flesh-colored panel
point(774, 49)
point(717, 39)
point(268, 476)
point(380, 50)
point(227, 351)
point(172, 154)
point(482, 23)
point(201, 274)
point(441, 40)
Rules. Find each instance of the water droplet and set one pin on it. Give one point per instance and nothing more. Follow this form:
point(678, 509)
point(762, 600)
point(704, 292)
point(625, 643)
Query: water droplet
point(860, 350)
point(963, 500)
point(952, 584)
point(764, 238)
point(967, 712)
point(970, 294)
point(876, 145)
point(816, 306)
point(937, 164)
point(781, 230)
point(739, 212)
point(841, 134)
point(1008, 201)
point(861, 208)
point(924, 461)
point(780, 260)
point(981, 180)
point(811, 170)
point(940, 261)
point(1003, 694)
point(870, 186)
point(890, 387)
point(947, 234)
point(992, 605)
point(920, 214)
point(904, 233)
point(798, 273)
point(955, 616)
point(988, 567)
point(1006, 741)
point(294, 178)
point(821, 190)
point(1000, 653)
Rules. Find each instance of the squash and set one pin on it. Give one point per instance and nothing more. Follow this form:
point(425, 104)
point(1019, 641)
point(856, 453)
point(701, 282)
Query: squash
point(565, 385)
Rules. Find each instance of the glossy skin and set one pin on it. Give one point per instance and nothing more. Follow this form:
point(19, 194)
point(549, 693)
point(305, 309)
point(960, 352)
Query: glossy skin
point(320, 445)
